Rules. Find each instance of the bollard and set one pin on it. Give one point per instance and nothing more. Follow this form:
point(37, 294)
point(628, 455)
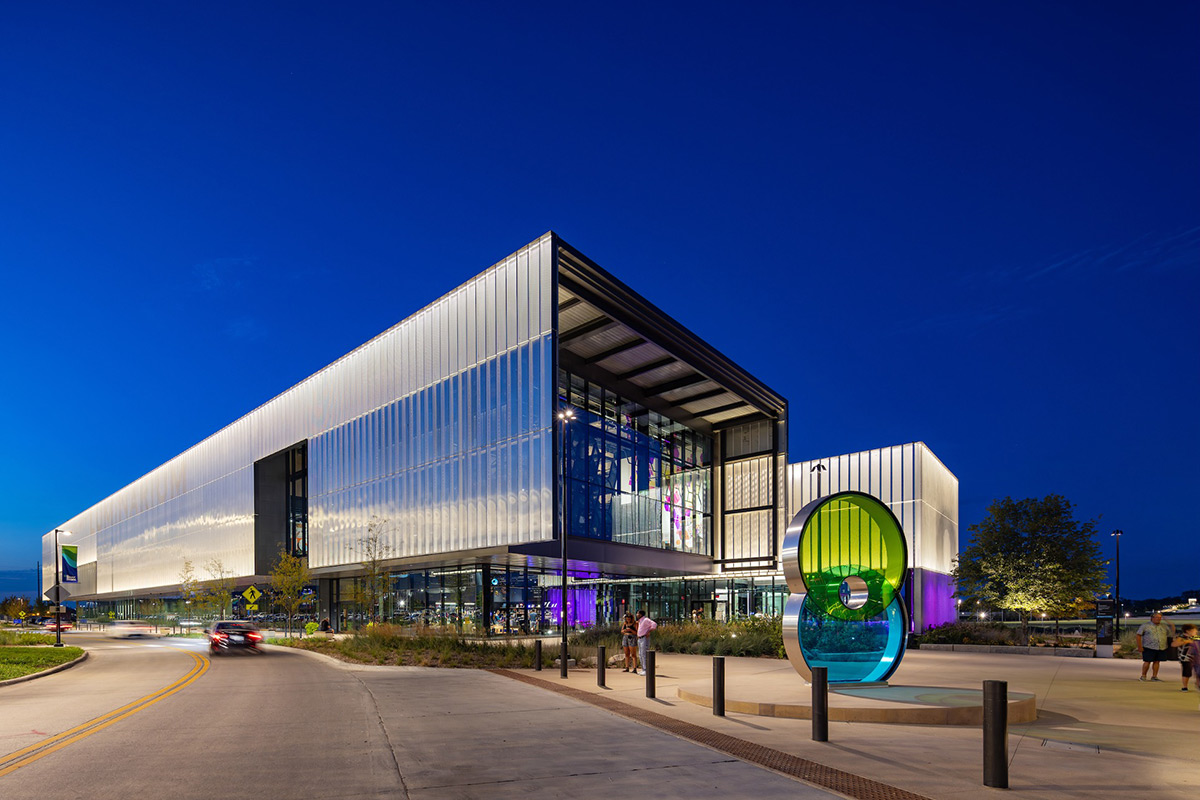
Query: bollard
point(601, 663)
point(820, 704)
point(995, 734)
point(649, 667)
point(562, 673)
point(719, 686)
point(537, 655)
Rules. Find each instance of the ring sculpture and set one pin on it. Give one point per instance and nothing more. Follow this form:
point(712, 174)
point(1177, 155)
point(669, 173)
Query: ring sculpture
point(845, 560)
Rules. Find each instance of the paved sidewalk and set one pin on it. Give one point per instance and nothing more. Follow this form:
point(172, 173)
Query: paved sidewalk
point(1099, 728)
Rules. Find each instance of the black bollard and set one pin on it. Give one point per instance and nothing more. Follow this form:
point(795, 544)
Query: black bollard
point(719, 686)
point(649, 667)
point(820, 704)
point(995, 734)
point(601, 663)
point(537, 655)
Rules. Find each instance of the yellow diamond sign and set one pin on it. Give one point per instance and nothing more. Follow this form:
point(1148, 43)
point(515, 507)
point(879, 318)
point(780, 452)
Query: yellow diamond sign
point(252, 594)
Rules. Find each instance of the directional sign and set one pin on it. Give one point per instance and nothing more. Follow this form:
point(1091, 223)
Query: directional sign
point(57, 593)
point(251, 607)
point(252, 594)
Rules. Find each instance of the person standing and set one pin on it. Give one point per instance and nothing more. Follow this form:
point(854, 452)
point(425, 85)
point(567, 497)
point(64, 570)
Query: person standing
point(644, 626)
point(1152, 640)
point(1189, 654)
point(629, 643)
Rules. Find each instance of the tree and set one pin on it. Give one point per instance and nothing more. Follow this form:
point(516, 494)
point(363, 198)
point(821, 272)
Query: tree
point(217, 592)
point(288, 579)
point(1031, 556)
point(12, 607)
point(189, 586)
point(373, 551)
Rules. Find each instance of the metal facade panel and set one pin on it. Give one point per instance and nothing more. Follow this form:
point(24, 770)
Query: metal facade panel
point(939, 490)
point(919, 490)
point(393, 426)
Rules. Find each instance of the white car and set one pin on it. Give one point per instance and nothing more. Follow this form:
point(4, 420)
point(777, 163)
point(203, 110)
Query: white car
point(127, 629)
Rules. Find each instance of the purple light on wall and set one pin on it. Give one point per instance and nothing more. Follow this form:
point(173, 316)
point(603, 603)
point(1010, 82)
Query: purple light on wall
point(937, 598)
point(581, 606)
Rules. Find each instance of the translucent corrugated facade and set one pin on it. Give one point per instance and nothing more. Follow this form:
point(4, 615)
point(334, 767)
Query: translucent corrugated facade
point(442, 425)
point(923, 495)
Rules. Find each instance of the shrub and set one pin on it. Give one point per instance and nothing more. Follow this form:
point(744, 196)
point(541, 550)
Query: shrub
point(310, 628)
point(990, 633)
point(754, 636)
point(25, 638)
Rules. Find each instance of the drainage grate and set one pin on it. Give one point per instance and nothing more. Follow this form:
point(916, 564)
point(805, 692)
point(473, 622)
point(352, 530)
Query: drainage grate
point(854, 786)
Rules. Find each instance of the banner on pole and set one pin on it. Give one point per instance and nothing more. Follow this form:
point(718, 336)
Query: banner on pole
point(70, 563)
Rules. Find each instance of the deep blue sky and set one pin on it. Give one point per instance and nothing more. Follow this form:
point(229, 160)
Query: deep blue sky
point(972, 224)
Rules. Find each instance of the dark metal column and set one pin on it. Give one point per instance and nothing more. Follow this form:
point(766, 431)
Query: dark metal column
point(995, 734)
point(718, 686)
point(820, 704)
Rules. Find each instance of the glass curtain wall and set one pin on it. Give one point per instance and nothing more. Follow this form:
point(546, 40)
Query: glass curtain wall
point(634, 476)
point(721, 599)
point(475, 600)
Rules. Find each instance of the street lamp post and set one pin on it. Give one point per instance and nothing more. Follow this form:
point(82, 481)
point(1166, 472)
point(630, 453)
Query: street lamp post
point(818, 468)
point(58, 588)
point(1117, 589)
point(565, 416)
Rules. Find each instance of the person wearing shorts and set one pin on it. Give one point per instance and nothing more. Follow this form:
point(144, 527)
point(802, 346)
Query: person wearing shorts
point(1152, 640)
point(1189, 654)
point(629, 643)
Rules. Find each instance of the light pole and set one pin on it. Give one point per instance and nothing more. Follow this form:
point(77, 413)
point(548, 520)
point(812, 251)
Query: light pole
point(58, 589)
point(818, 468)
point(565, 416)
point(1117, 589)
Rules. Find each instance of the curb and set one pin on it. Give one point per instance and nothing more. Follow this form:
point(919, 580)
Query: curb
point(1013, 650)
point(46, 672)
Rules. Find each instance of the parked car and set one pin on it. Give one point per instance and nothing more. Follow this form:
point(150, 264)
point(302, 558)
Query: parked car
point(128, 629)
point(230, 635)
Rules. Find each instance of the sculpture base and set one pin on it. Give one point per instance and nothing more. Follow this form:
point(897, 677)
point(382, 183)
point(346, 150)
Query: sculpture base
point(878, 702)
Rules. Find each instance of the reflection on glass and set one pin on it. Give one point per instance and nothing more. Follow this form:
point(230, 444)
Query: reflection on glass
point(634, 476)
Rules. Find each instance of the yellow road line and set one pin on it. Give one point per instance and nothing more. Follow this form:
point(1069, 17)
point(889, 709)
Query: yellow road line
point(14, 761)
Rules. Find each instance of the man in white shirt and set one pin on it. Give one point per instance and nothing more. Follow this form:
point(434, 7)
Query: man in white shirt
point(644, 626)
point(1152, 640)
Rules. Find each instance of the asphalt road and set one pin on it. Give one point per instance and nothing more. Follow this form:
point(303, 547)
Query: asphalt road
point(159, 719)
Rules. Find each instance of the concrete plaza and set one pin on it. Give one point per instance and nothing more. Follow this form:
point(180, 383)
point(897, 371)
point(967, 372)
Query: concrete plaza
point(1098, 729)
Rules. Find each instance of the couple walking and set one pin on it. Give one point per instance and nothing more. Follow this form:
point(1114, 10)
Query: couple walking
point(635, 634)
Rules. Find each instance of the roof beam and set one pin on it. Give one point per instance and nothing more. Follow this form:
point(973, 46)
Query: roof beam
point(598, 324)
point(691, 398)
point(678, 383)
point(648, 367)
point(722, 409)
point(613, 351)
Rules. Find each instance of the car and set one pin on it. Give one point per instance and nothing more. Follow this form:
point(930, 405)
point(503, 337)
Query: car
point(229, 635)
point(189, 623)
point(127, 629)
point(53, 626)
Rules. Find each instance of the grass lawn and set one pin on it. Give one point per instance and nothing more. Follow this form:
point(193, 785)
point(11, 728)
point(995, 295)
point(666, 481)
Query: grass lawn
point(16, 662)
